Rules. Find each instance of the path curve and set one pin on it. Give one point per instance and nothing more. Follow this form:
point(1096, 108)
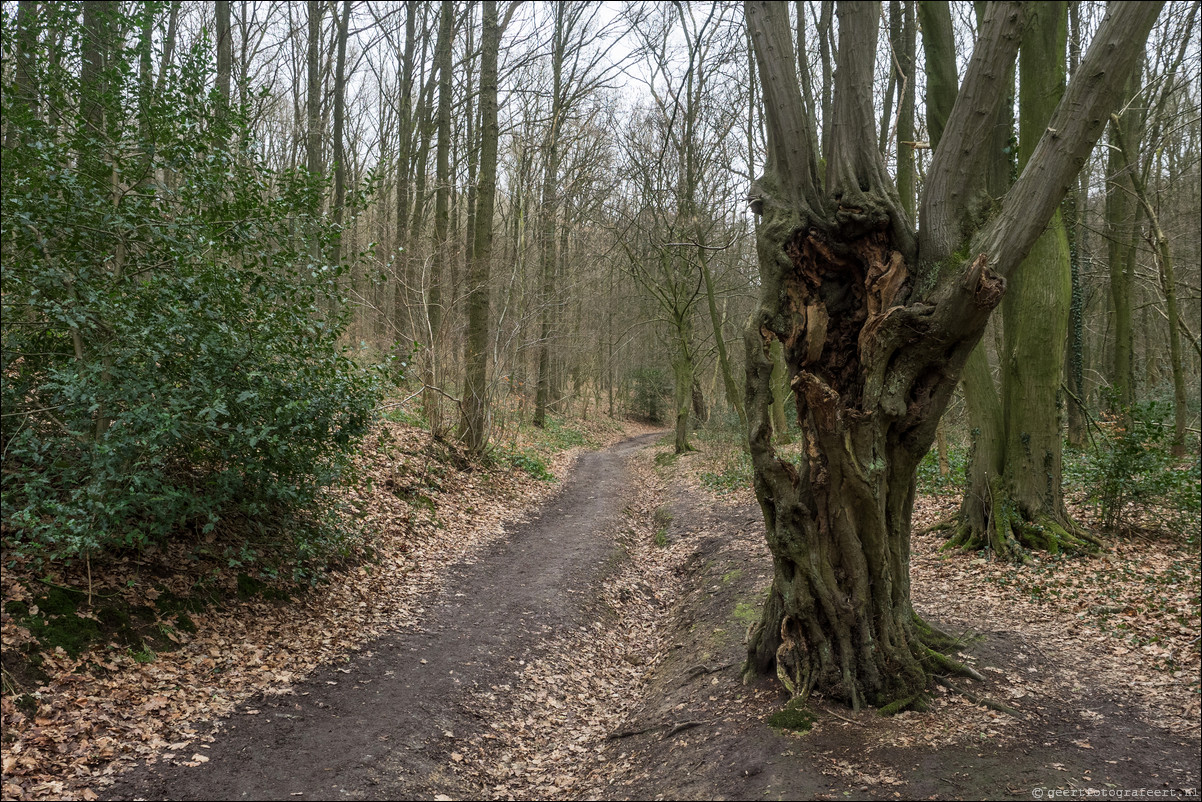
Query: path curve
point(388, 722)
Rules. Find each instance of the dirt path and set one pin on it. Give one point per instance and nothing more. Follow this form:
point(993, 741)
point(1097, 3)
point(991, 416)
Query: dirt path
point(1077, 735)
point(490, 696)
point(386, 723)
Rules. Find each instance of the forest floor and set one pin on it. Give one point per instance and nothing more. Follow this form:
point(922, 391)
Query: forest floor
point(592, 649)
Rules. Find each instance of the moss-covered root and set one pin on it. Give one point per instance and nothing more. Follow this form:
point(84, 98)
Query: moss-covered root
point(1010, 535)
point(935, 638)
point(916, 702)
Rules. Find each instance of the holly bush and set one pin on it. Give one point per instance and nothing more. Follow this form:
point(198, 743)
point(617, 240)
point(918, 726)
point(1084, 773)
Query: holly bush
point(171, 311)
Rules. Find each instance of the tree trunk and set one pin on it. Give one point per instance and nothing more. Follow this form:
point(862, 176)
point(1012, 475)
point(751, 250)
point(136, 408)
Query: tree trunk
point(431, 401)
point(1014, 499)
point(548, 213)
point(475, 392)
point(905, 115)
point(1123, 218)
point(339, 126)
point(1168, 283)
point(683, 375)
point(313, 100)
point(728, 379)
point(406, 135)
point(225, 54)
point(877, 322)
point(1074, 207)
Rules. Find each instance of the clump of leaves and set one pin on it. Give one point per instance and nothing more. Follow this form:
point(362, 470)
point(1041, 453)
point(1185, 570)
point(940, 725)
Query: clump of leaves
point(931, 479)
point(1131, 472)
point(733, 474)
point(527, 460)
point(560, 437)
point(171, 314)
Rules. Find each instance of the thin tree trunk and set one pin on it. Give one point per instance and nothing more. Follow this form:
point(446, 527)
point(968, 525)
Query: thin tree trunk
point(1122, 228)
point(1168, 283)
point(339, 127)
point(905, 115)
point(549, 215)
point(313, 104)
point(404, 169)
point(728, 379)
point(431, 401)
point(475, 397)
point(225, 54)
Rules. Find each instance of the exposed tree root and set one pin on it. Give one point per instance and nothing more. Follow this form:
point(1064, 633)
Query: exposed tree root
point(917, 703)
point(940, 525)
point(978, 700)
point(1010, 534)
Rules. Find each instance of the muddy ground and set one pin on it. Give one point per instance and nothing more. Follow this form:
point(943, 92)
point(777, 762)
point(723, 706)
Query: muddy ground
point(596, 653)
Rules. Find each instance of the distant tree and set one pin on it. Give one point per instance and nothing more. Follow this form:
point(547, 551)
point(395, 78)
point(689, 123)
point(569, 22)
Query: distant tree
point(475, 392)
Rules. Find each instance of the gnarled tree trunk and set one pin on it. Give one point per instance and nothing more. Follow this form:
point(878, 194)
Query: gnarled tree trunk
point(877, 321)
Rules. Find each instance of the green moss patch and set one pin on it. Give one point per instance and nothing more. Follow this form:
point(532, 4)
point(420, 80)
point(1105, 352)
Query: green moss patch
point(794, 716)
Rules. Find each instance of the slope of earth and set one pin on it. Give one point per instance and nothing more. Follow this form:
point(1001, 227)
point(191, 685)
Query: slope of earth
point(1096, 709)
point(196, 639)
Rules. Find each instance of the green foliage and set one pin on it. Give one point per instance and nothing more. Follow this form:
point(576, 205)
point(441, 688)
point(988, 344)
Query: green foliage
point(559, 437)
point(931, 482)
point(170, 317)
point(1130, 472)
point(733, 474)
point(527, 460)
point(652, 392)
point(793, 716)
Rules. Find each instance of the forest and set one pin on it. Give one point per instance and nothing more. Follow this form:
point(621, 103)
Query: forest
point(603, 400)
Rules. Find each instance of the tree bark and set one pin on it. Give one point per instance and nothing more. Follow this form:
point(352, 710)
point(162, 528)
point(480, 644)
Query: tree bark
point(905, 115)
point(1014, 500)
point(313, 99)
point(1123, 219)
point(404, 169)
point(431, 400)
point(475, 393)
point(728, 379)
point(877, 325)
point(225, 54)
point(549, 214)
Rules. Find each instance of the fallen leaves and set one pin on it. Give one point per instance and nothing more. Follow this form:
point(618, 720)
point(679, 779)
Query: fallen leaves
point(101, 712)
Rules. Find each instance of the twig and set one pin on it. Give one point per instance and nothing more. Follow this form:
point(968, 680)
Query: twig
point(673, 729)
point(682, 726)
point(702, 669)
point(403, 401)
point(614, 736)
point(978, 700)
point(77, 590)
point(841, 718)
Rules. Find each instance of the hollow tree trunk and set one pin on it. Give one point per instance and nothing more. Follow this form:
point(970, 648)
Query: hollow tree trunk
point(877, 323)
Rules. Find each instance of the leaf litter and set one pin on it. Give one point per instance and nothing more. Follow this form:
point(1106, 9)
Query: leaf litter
point(98, 713)
point(1126, 621)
